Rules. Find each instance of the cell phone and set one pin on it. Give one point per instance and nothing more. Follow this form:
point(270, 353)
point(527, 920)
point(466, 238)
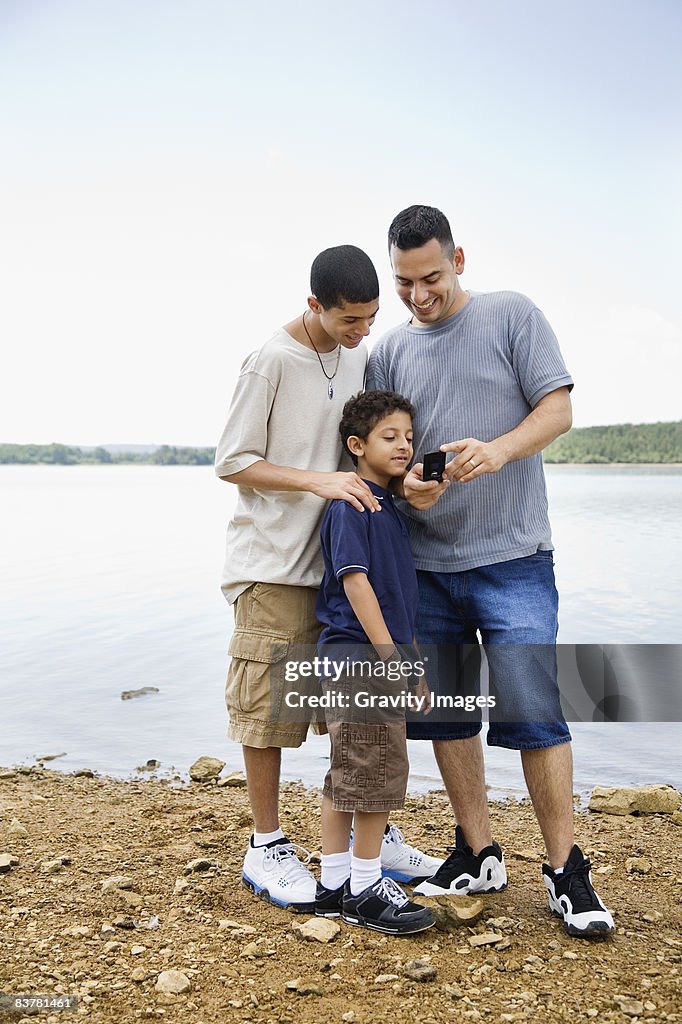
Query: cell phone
point(434, 464)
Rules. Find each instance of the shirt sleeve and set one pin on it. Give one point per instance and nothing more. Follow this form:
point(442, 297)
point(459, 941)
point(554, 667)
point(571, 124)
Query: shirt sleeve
point(245, 437)
point(377, 378)
point(537, 360)
point(349, 539)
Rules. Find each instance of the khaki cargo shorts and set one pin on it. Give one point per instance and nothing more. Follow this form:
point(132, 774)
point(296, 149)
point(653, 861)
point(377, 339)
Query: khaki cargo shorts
point(269, 618)
point(369, 765)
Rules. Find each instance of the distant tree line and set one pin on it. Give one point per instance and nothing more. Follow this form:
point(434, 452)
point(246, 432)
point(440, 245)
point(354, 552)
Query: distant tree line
point(625, 442)
point(63, 455)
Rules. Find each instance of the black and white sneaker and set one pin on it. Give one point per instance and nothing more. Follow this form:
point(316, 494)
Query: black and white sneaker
point(572, 897)
point(328, 901)
point(466, 872)
point(384, 907)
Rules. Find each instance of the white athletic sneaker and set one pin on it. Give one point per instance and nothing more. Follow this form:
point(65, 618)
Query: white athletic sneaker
point(402, 862)
point(275, 873)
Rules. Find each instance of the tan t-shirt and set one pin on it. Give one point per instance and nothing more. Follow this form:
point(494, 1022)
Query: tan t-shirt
point(281, 412)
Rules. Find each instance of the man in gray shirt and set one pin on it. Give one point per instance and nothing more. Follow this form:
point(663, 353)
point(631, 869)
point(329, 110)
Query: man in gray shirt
point(489, 384)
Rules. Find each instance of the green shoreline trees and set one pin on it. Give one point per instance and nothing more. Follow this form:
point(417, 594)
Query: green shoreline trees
point(624, 442)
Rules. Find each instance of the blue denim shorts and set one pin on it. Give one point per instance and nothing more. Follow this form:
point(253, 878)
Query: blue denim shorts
point(514, 606)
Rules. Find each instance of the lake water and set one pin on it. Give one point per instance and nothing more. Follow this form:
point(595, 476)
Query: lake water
point(111, 582)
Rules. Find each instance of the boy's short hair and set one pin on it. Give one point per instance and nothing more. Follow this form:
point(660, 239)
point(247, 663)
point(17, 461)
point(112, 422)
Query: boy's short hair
point(362, 412)
point(417, 225)
point(343, 274)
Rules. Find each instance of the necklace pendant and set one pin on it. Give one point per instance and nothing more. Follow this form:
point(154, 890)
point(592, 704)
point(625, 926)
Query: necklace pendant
point(330, 390)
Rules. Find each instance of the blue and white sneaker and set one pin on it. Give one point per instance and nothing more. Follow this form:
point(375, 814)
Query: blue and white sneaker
point(275, 873)
point(402, 862)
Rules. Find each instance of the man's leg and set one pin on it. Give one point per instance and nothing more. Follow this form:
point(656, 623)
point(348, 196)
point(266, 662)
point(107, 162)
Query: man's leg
point(462, 767)
point(549, 777)
point(262, 767)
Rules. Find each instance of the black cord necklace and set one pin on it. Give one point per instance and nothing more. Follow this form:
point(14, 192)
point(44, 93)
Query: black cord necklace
point(330, 388)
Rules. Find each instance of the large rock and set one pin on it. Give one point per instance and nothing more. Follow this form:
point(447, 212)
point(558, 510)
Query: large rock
point(172, 983)
point(635, 799)
point(206, 768)
point(451, 912)
point(317, 929)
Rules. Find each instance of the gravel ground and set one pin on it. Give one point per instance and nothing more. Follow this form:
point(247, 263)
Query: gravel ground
point(60, 933)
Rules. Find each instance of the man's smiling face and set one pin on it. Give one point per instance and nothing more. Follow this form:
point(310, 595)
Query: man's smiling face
point(426, 280)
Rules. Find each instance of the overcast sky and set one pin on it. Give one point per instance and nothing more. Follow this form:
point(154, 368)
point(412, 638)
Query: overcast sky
point(168, 171)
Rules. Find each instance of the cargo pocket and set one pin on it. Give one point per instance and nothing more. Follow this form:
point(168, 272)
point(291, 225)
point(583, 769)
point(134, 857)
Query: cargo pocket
point(255, 674)
point(363, 754)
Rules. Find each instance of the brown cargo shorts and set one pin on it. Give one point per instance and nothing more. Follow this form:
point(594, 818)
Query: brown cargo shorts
point(269, 618)
point(368, 763)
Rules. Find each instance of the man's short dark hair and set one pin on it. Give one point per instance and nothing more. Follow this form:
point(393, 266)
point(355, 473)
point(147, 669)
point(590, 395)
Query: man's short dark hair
point(362, 412)
point(343, 274)
point(417, 225)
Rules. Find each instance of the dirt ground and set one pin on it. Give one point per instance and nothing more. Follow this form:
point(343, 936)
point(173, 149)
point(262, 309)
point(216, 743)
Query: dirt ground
point(61, 933)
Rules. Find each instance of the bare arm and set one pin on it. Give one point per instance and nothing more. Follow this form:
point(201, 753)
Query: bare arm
point(363, 601)
point(346, 486)
point(551, 417)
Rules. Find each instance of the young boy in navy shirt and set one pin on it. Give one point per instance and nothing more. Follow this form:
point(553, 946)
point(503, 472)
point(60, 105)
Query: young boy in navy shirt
point(367, 603)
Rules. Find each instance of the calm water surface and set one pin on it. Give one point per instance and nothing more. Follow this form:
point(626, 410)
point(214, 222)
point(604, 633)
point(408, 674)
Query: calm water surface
point(111, 582)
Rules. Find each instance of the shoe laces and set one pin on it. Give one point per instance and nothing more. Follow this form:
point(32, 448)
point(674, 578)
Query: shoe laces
point(394, 835)
point(578, 880)
point(389, 890)
point(285, 857)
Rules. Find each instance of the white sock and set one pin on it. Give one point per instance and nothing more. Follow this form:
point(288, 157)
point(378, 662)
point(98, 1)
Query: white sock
point(335, 869)
point(363, 873)
point(263, 838)
point(558, 871)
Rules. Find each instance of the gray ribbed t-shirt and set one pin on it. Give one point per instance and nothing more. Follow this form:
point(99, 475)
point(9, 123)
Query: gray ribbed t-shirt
point(477, 374)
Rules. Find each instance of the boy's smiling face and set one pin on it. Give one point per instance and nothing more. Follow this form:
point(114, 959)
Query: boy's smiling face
point(387, 449)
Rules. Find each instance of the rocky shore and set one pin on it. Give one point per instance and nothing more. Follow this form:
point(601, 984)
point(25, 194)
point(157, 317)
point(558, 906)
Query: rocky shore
point(128, 896)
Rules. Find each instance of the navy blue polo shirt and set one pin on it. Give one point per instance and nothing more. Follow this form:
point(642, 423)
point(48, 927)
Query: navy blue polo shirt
point(378, 544)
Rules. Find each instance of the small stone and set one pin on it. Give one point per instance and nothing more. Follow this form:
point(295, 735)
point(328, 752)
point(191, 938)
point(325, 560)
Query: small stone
point(652, 916)
point(137, 950)
point(200, 864)
point(293, 984)
point(528, 855)
point(317, 929)
point(84, 773)
point(80, 931)
point(307, 988)
point(485, 939)
point(16, 829)
point(348, 1016)
point(235, 780)
point(149, 766)
point(236, 929)
point(180, 885)
point(635, 799)
point(205, 769)
point(131, 899)
point(382, 979)
point(420, 970)
point(124, 921)
point(452, 990)
point(107, 930)
point(131, 694)
point(676, 817)
point(139, 974)
point(629, 1006)
point(570, 955)
point(172, 982)
point(51, 867)
point(7, 862)
point(501, 922)
point(116, 882)
point(50, 757)
point(112, 947)
point(638, 865)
